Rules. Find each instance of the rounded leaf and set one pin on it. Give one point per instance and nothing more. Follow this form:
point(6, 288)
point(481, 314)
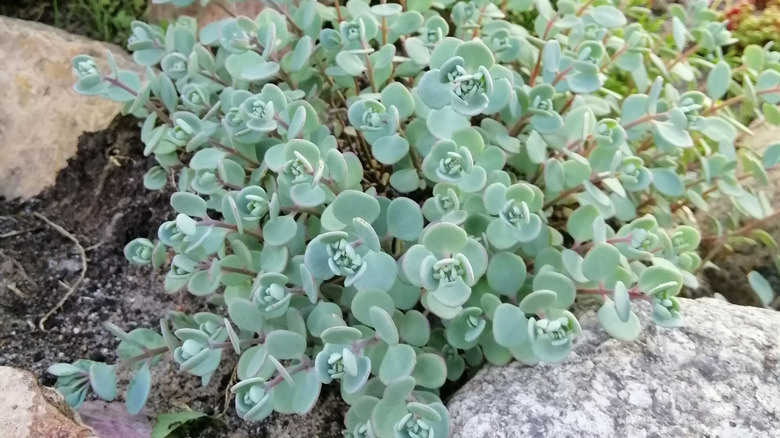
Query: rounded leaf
point(510, 326)
point(102, 377)
point(444, 238)
point(366, 299)
point(138, 390)
point(189, 204)
point(627, 330)
point(718, 80)
point(404, 219)
point(415, 329)
point(285, 344)
point(341, 335)
point(430, 370)
point(384, 325)
point(761, 287)
point(538, 301)
point(399, 362)
point(350, 204)
point(390, 149)
point(380, 272)
point(600, 262)
point(560, 284)
point(506, 273)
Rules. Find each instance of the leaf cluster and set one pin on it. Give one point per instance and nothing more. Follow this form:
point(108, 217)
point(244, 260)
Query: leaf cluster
point(512, 179)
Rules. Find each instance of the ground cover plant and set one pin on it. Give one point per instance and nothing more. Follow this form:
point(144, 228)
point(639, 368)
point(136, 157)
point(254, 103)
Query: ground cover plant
point(753, 22)
point(386, 197)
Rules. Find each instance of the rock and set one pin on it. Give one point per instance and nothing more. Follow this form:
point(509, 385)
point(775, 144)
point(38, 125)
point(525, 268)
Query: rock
point(30, 411)
point(42, 117)
point(205, 14)
point(111, 420)
point(717, 376)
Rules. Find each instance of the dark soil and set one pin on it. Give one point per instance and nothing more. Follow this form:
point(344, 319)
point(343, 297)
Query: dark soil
point(100, 199)
point(731, 279)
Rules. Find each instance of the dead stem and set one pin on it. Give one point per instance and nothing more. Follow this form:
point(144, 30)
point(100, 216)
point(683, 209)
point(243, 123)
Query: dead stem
point(74, 287)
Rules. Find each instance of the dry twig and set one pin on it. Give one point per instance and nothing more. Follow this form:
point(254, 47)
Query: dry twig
point(233, 377)
point(75, 285)
point(12, 287)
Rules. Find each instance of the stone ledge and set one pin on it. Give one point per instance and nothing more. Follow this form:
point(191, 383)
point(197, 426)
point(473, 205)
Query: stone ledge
point(716, 376)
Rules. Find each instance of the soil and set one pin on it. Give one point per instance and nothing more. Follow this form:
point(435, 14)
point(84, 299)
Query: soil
point(100, 199)
point(730, 280)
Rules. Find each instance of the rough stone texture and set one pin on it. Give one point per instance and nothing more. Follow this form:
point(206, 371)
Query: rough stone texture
point(30, 411)
point(715, 377)
point(205, 14)
point(41, 116)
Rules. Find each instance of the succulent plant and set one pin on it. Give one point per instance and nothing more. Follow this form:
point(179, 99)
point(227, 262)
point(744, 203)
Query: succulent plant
point(386, 196)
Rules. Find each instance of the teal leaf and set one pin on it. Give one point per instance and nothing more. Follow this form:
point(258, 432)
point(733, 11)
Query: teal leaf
point(624, 330)
point(138, 390)
point(390, 149)
point(415, 329)
point(351, 63)
point(285, 344)
point(102, 377)
point(341, 335)
point(367, 234)
point(189, 204)
point(398, 95)
point(601, 261)
point(510, 326)
point(430, 371)
point(563, 287)
point(306, 196)
point(674, 135)
point(384, 325)
point(608, 16)
point(679, 33)
point(399, 362)
point(444, 238)
point(667, 181)
point(506, 273)
point(279, 231)
point(718, 80)
point(404, 219)
point(301, 53)
point(366, 299)
point(250, 66)
point(761, 287)
point(350, 204)
point(538, 301)
point(380, 272)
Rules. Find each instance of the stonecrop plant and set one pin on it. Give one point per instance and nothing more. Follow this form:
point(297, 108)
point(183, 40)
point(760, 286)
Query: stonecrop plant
point(386, 197)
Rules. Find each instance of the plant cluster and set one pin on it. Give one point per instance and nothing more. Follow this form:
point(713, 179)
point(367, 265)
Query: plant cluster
point(388, 196)
point(753, 25)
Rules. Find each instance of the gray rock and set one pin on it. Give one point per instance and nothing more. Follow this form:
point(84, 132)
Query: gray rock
point(30, 411)
point(717, 376)
point(41, 117)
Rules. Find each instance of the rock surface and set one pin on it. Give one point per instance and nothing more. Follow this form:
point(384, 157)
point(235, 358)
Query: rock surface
point(717, 376)
point(205, 14)
point(41, 116)
point(30, 411)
